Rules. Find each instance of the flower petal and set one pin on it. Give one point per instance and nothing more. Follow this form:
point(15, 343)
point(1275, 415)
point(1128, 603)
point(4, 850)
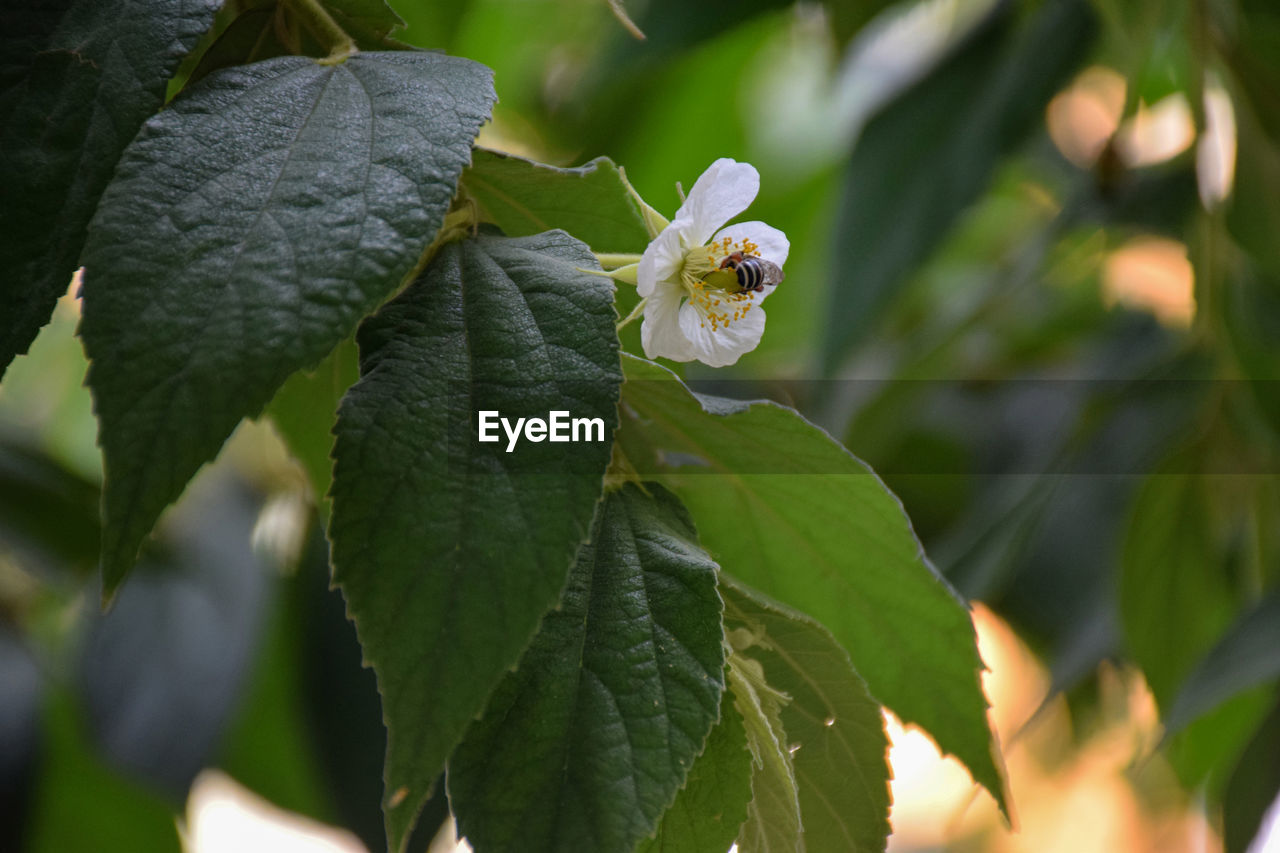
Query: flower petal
point(722, 192)
point(663, 257)
point(722, 346)
point(773, 244)
point(660, 333)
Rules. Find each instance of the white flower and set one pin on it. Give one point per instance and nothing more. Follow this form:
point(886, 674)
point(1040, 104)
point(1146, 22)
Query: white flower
point(693, 309)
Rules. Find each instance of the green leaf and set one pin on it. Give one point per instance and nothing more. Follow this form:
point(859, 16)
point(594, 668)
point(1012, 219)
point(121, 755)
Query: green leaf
point(1174, 597)
point(591, 202)
point(585, 745)
point(712, 805)
point(247, 230)
point(835, 731)
point(1243, 658)
point(801, 519)
point(773, 815)
point(1253, 787)
point(79, 79)
point(449, 551)
point(931, 153)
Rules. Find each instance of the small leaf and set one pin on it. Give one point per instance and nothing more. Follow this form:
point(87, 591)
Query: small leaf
point(1243, 658)
point(80, 78)
point(773, 816)
point(805, 522)
point(247, 230)
point(591, 202)
point(931, 153)
point(586, 744)
point(449, 551)
point(712, 805)
point(835, 731)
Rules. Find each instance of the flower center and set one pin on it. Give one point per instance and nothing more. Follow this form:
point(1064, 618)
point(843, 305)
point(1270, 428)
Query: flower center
point(702, 264)
point(713, 291)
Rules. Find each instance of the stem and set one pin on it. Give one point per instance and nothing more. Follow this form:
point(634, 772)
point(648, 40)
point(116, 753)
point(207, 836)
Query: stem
point(635, 312)
point(322, 25)
point(625, 19)
point(612, 261)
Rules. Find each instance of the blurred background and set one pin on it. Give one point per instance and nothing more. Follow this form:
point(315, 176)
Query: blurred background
point(1034, 282)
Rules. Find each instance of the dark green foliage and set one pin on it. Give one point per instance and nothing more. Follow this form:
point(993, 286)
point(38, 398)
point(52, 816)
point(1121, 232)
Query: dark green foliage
point(194, 315)
point(833, 727)
point(77, 80)
point(523, 197)
point(795, 515)
point(586, 744)
point(682, 633)
point(712, 805)
point(449, 551)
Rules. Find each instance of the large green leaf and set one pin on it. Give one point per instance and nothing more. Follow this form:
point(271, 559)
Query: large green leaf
point(585, 745)
point(80, 77)
point(591, 202)
point(712, 805)
point(930, 154)
point(835, 731)
point(1175, 598)
point(773, 822)
point(248, 229)
point(799, 518)
point(448, 550)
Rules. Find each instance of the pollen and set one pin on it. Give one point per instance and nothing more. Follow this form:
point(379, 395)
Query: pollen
point(706, 306)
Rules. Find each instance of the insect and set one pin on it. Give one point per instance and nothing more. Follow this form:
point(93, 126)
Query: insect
point(753, 273)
